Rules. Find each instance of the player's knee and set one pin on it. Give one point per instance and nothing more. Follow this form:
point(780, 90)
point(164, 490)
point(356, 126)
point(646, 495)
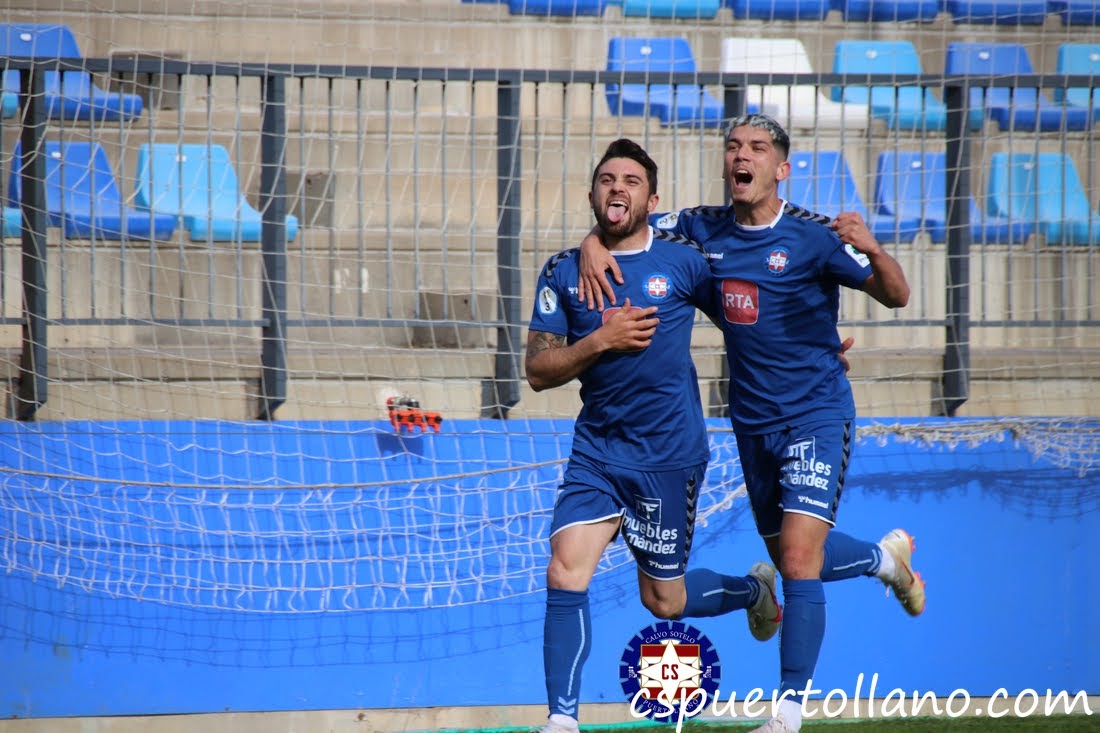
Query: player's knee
point(663, 606)
point(798, 562)
point(560, 575)
point(664, 609)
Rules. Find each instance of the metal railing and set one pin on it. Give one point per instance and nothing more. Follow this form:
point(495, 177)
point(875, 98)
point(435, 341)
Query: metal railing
point(506, 121)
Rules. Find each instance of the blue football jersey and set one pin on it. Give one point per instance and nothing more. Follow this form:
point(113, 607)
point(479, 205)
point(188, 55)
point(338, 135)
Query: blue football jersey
point(641, 409)
point(778, 301)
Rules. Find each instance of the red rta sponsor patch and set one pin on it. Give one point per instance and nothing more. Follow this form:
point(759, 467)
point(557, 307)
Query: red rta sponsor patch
point(739, 301)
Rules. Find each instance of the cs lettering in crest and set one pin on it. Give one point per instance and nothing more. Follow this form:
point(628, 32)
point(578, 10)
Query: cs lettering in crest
point(663, 667)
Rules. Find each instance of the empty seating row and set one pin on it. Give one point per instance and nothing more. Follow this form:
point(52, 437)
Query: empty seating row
point(195, 185)
point(1025, 194)
point(69, 95)
point(1001, 12)
point(73, 96)
point(905, 107)
point(911, 107)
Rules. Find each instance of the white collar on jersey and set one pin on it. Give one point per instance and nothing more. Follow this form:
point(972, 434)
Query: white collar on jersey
point(628, 252)
point(772, 223)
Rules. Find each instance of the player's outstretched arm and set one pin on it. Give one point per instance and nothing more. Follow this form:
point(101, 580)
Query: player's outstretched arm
point(551, 362)
point(595, 261)
point(887, 282)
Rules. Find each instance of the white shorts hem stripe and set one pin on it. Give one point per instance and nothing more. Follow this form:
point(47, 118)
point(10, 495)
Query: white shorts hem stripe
point(617, 515)
point(809, 514)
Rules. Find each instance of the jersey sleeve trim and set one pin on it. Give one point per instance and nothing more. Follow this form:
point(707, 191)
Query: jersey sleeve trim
point(554, 261)
point(674, 238)
point(799, 212)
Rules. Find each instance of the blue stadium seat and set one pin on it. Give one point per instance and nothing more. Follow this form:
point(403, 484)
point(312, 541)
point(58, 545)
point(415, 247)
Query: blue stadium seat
point(823, 182)
point(1043, 188)
point(999, 12)
point(686, 104)
point(889, 11)
point(900, 107)
point(900, 208)
point(70, 95)
point(83, 198)
point(1076, 12)
point(1018, 108)
point(779, 9)
point(986, 228)
point(1082, 59)
point(199, 184)
point(671, 8)
point(12, 222)
point(9, 104)
point(568, 8)
point(911, 194)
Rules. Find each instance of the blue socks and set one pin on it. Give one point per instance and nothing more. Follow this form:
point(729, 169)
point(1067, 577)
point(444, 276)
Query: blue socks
point(567, 633)
point(801, 634)
point(711, 594)
point(846, 557)
point(803, 627)
point(567, 639)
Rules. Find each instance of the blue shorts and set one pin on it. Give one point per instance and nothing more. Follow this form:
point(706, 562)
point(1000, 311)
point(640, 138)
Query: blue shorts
point(799, 469)
point(658, 509)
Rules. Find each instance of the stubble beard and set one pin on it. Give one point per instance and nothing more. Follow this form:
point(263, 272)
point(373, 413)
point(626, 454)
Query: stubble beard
point(625, 227)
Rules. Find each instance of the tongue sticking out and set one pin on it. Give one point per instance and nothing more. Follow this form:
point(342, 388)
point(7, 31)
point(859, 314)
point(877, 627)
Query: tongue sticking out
point(615, 213)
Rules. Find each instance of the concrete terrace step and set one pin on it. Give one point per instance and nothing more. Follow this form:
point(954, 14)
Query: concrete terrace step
point(222, 381)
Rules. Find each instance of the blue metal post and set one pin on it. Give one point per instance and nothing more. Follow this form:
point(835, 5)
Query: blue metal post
point(273, 378)
point(503, 392)
point(31, 393)
point(956, 357)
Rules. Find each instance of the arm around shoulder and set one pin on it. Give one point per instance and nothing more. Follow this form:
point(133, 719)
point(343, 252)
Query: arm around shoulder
point(595, 262)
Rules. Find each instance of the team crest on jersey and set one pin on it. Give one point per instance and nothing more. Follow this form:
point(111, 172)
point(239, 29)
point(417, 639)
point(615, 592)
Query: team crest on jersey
point(548, 301)
point(668, 671)
point(657, 286)
point(668, 221)
point(778, 259)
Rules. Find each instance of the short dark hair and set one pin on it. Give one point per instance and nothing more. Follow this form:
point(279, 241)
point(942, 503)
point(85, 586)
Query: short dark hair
point(779, 136)
point(625, 148)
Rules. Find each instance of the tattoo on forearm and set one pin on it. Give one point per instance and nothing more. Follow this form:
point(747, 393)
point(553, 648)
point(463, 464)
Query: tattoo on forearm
point(541, 341)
